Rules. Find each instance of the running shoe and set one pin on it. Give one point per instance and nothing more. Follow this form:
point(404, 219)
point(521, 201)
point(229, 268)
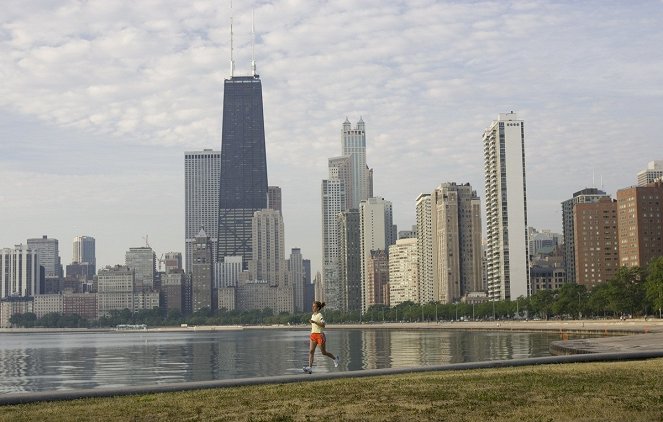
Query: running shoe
point(336, 362)
point(307, 369)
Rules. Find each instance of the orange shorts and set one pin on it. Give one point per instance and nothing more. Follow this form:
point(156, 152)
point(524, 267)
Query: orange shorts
point(318, 338)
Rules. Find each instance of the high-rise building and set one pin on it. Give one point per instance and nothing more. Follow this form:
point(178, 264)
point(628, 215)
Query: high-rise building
point(115, 289)
point(172, 284)
point(333, 202)
point(404, 272)
point(143, 262)
point(274, 198)
point(19, 272)
point(229, 271)
point(377, 233)
point(456, 222)
point(640, 224)
point(243, 180)
point(350, 182)
point(48, 254)
point(309, 290)
point(84, 252)
point(408, 234)
point(172, 261)
point(596, 248)
point(354, 146)
point(546, 277)
point(267, 282)
point(296, 272)
point(507, 256)
point(318, 290)
point(349, 243)
point(202, 274)
point(543, 242)
point(340, 168)
point(585, 196)
point(653, 171)
point(83, 304)
point(378, 276)
point(268, 263)
point(84, 273)
point(425, 248)
point(202, 172)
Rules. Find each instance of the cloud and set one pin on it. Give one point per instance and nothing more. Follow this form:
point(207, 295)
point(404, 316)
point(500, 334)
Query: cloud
point(426, 76)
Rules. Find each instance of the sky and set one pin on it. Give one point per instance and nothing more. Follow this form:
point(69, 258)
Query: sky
point(100, 99)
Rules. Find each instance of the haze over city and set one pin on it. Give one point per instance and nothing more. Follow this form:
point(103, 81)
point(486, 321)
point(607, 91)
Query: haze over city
point(100, 100)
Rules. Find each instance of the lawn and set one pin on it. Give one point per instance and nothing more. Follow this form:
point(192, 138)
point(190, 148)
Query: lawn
point(607, 391)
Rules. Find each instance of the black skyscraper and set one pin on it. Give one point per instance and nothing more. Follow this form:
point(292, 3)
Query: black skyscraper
point(243, 181)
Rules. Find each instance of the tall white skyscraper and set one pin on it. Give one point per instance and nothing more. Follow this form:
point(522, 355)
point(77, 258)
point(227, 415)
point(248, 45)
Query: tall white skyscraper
point(376, 233)
point(349, 183)
point(201, 205)
point(404, 272)
point(354, 146)
point(425, 247)
point(333, 203)
point(507, 269)
point(19, 272)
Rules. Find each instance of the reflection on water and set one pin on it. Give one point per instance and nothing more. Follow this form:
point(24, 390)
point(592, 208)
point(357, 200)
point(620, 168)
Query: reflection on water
point(59, 361)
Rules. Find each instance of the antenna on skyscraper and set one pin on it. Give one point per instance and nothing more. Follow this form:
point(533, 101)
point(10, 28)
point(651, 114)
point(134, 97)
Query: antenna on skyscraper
point(253, 42)
point(593, 181)
point(232, 62)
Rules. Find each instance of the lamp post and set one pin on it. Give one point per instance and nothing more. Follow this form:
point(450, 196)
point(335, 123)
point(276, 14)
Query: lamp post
point(436, 321)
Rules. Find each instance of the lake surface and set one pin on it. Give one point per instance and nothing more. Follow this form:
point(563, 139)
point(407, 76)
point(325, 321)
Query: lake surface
point(59, 361)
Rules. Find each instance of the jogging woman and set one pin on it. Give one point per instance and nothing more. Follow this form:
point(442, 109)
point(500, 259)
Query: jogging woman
point(318, 337)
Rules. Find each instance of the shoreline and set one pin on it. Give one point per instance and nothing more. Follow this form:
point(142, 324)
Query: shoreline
point(607, 327)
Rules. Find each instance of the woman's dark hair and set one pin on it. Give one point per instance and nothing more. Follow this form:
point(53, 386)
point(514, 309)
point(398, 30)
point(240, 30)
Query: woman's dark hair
point(319, 304)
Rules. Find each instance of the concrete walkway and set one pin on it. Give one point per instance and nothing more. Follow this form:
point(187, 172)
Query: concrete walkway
point(652, 342)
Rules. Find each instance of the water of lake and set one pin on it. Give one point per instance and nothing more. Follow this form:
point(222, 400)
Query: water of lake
point(58, 361)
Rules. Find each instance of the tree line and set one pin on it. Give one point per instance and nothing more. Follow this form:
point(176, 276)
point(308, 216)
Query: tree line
point(634, 291)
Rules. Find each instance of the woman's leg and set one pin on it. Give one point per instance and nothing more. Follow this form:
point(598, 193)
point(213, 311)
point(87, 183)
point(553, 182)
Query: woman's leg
point(324, 351)
point(311, 352)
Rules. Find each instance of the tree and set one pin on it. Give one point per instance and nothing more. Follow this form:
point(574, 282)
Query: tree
point(569, 299)
point(623, 290)
point(26, 320)
point(598, 299)
point(542, 302)
point(654, 284)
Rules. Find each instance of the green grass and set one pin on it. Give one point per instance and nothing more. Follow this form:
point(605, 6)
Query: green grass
point(613, 391)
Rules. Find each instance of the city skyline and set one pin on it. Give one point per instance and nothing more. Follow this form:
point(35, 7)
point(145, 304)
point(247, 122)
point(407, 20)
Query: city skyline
point(95, 116)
